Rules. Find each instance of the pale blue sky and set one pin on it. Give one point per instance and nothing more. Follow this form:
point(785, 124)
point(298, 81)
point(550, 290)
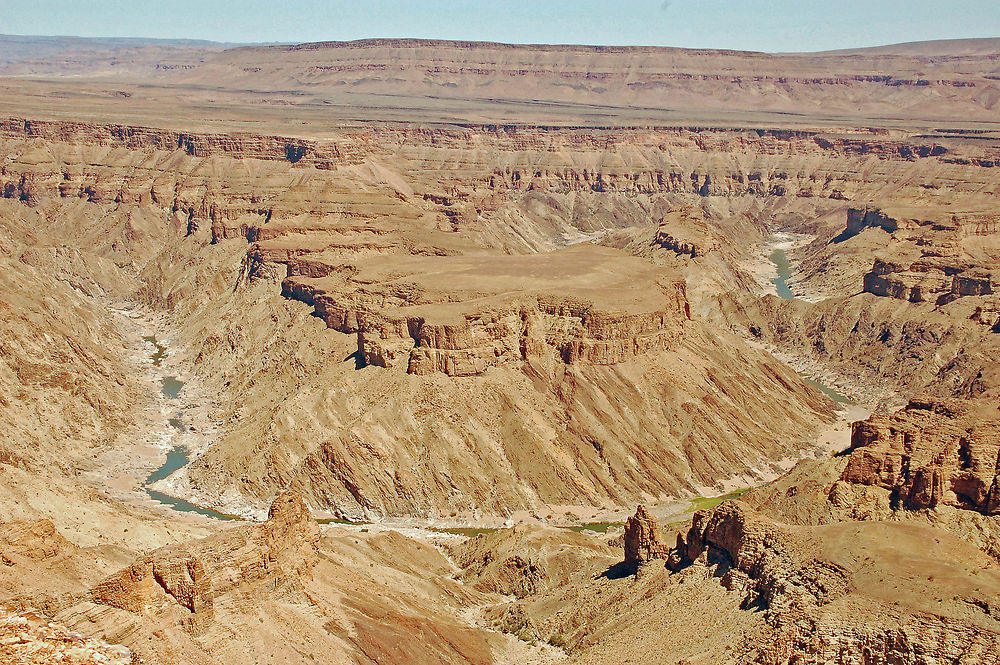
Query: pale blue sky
point(767, 25)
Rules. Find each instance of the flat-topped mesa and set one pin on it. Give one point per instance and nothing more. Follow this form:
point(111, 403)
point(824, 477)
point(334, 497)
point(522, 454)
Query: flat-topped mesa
point(461, 315)
point(931, 453)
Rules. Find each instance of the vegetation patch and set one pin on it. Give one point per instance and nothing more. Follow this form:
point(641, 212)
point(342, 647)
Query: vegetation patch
point(709, 502)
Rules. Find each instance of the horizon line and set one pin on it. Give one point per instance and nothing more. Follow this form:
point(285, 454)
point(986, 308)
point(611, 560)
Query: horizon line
point(428, 41)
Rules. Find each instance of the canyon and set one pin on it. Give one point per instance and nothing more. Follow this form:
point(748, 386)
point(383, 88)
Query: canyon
point(367, 352)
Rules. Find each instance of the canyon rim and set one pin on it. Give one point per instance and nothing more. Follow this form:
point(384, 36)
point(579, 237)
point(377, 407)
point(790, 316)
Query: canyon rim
point(462, 352)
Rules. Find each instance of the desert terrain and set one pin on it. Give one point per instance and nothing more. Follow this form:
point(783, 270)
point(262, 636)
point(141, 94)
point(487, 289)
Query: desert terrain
point(367, 352)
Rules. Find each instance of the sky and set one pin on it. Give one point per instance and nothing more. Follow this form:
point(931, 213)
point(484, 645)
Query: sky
point(762, 25)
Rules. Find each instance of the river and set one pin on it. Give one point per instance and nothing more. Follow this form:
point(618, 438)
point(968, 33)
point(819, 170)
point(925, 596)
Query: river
point(784, 273)
point(178, 456)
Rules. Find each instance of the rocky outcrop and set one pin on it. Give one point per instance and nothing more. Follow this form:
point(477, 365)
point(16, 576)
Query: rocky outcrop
point(642, 539)
point(899, 640)
point(920, 281)
point(170, 581)
point(28, 638)
point(929, 220)
point(754, 559)
point(820, 610)
point(37, 540)
point(867, 218)
point(184, 581)
point(931, 453)
point(572, 330)
point(667, 241)
point(288, 540)
point(933, 279)
point(977, 282)
point(988, 314)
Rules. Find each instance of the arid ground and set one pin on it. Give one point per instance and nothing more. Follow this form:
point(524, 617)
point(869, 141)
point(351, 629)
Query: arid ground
point(367, 352)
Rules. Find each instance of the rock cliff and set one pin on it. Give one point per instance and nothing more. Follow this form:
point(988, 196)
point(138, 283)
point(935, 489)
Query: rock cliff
point(642, 539)
point(822, 597)
point(931, 453)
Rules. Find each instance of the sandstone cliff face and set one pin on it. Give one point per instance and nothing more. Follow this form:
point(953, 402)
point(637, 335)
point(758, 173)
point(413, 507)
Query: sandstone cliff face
point(862, 218)
point(929, 454)
point(642, 539)
point(161, 586)
point(821, 606)
point(184, 582)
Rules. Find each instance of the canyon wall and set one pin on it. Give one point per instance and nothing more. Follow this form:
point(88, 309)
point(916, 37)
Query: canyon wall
point(428, 253)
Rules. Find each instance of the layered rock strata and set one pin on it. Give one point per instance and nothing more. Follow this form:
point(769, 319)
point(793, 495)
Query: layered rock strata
point(462, 316)
point(642, 539)
point(931, 453)
point(825, 603)
point(29, 638)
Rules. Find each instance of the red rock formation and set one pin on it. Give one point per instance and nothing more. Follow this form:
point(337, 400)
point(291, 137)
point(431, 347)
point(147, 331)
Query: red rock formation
point(185, 580)
point(928, 454)
point(642, 539)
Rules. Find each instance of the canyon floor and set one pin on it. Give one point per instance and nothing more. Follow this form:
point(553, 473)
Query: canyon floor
point(367, 352)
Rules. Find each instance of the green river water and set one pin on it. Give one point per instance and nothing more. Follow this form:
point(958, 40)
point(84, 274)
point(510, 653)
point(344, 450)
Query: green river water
point(177, 456)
